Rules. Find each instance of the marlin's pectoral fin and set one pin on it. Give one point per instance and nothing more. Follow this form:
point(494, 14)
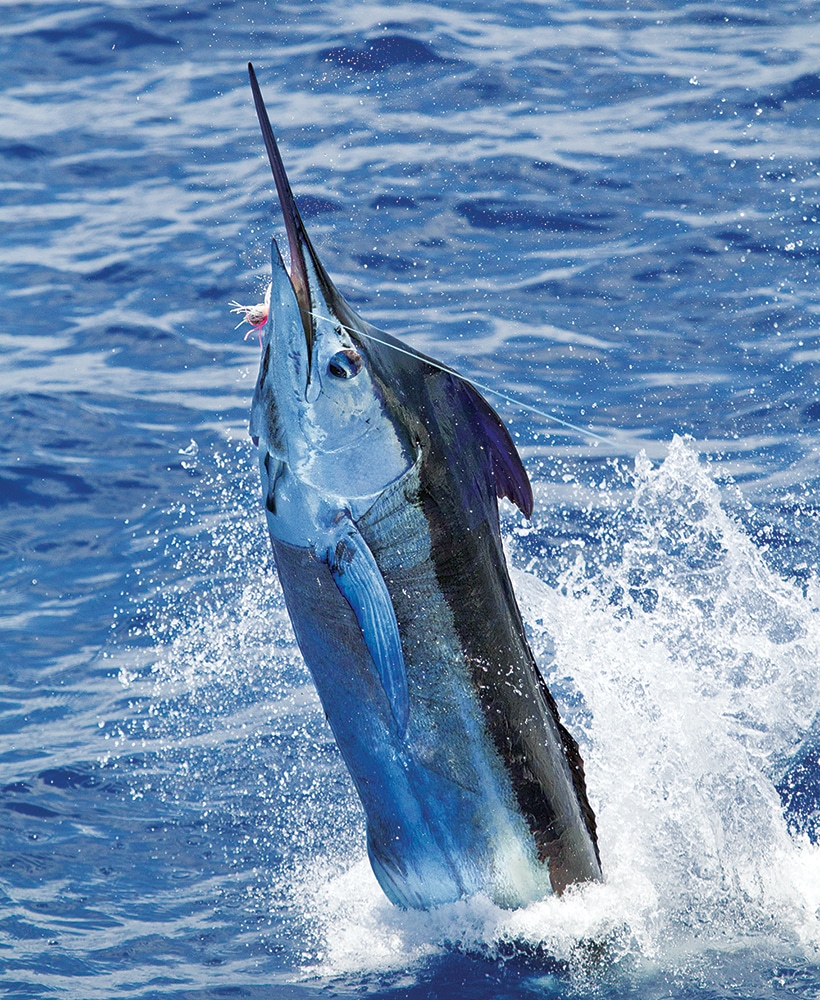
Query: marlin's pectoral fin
point(359, 579)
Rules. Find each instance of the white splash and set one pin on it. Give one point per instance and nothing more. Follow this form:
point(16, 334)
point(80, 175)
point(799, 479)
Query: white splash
point(700, 672)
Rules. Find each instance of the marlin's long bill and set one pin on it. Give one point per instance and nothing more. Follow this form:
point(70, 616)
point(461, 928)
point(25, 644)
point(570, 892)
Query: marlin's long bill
point(381, 474)
point(298, 240)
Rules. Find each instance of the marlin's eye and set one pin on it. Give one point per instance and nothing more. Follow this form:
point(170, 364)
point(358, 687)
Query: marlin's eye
point(345, 364)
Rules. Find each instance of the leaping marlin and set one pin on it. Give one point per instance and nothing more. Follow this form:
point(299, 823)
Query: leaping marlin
point(381, 472)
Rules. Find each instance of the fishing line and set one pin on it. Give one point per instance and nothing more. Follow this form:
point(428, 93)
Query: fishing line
point(470, 381)
point(257, 316)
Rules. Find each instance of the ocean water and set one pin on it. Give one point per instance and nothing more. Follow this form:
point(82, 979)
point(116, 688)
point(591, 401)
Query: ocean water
point(608, 212)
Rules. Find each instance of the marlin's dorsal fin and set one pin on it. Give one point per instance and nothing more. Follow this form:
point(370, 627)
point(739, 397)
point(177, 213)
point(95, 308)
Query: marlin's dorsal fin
point(511, 479)
point(359, 579)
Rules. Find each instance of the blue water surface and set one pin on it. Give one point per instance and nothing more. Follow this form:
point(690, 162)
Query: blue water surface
point(607, 211)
